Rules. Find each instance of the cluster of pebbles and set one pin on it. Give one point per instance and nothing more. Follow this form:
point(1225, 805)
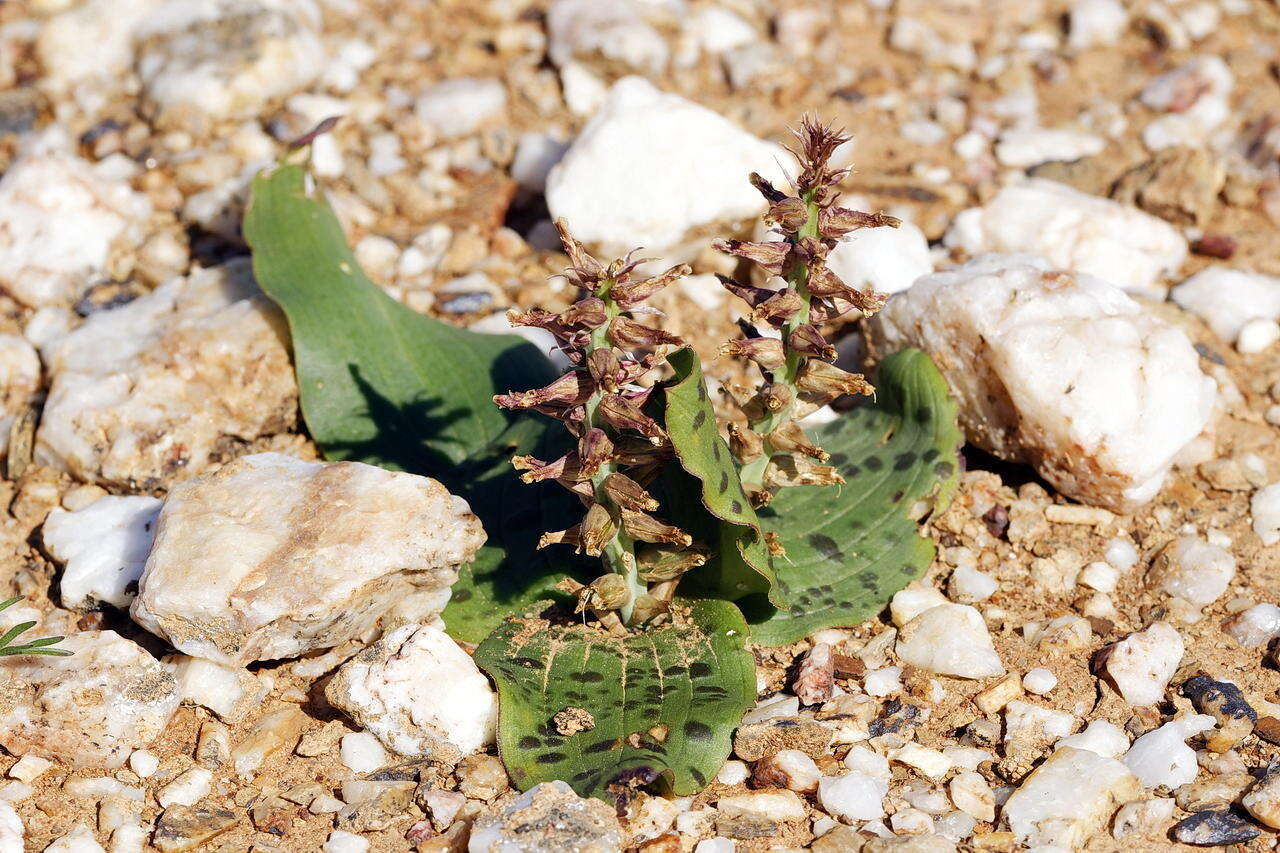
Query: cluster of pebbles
point(1090, 194)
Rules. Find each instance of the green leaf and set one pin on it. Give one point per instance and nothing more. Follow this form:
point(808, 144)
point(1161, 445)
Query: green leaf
point(850, 548)
point(664, 703)
point(382, 384)
point(739, 563)
point(379, 382)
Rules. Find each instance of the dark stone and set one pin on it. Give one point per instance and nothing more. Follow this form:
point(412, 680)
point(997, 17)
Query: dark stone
point(1219, 699)
point(1213, 828)
point(897, 716)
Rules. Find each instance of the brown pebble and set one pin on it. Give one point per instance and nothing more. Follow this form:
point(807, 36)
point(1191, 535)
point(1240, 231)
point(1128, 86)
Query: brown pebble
point(848, 666)
point(1215, 246)
point(1268, 728)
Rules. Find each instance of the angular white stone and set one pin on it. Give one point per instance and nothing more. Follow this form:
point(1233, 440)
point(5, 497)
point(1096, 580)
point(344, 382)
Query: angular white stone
point(361, 752)
point(222, 59)
point(90, 709)
point(968, 585)
point(1228, 299)
point(950, 639)
point(231, 692)
point(91, 41)
point(887, 260)
point(1105, 739)
point(610, 29)
point(716, 29)
point(341, 841)
point(1195, 97)
point(770, 805)
point(60, 220)
point(1023, 718)
point(625, 180)
point(929, 762)
point(909, 603)
point(1031, 146)
point(79, 840)
point(1068, 798)
point(1142, 663)
point(103, 548)
point(1257, 626)
point(1064, 372)
point(1257, 335)
point(1039, 681)
point(972, 795)
point(142, 394)
point(270, 557)
point(1093, 23)
point(1195, 570)
point(11, 830)
point(415, 688)
point(144, 763)
point(548, 816)
point(1265, 509)
point(28, 768)
point(853, 796)
point(1162, 757)
point(461, 106)
point(1074, 231)
point(187, 790)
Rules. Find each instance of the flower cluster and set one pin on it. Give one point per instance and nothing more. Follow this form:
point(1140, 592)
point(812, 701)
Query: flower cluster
point(619, 448)
point(795, 359)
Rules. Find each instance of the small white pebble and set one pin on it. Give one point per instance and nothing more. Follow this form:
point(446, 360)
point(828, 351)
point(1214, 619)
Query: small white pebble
point(143, 763)
point(1256, 626)
point(969, 585)
point(362, 752)
point(930, 762)
point(187, 790)
point(733, 773)
point(29, 767)
point(1121, 553)
point(911, 822)
point(1257, 335)
point(325, 804)
point(13, 792)
point(1100, 576)
point(883, 682)
point(340, 841)
point(1039, 681)
point(715, 845)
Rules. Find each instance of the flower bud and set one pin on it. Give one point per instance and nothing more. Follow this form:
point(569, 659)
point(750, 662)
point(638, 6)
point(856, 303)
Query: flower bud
point(588, 313)
point(779, 308)
point(745, 443)
point(569, 388)
point(775, 396)
point(579, 257)
point(788, 214)
point(566, 468)
point(790, 438)
point(766, 352)
point(597, 530)
point(771, 194)
point(620, 413)
point(771, 256)
point(753, 296)
point(628, 334)
point(630, 294)
point(645, 528)
point(647, 608)
point(607, 592)
point(785, 470)
point(664, 563)
point(835, 222)
point(807, 340)
point(822, 378)
point(627, 493)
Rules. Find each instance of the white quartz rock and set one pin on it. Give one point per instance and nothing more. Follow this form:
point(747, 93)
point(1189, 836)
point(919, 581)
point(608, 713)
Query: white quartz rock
point(1074, 231)
point(1023, 720)
point(1257, 626)
point(415, 688)
point(950, 639)
point(1105, 739)
point(19, 382)
point(625, 180)
point(718, 30)
point(103, 548)
point(610, 29)
point(1228, 299)
point(884, 259)
point(90, 709)
point(202, 60)
point(11, 830)
point(1195, 570)
point(270, 557)
point(1095, 23)
point(79, 840)
point(1064, 372)
point(909, 603)
point(1031, 146)
point(231, 692)
point(549, 816)
point(1162, 757)
point(461, 106)
point(1265, 509)
point(1142, 663)
point(60, 221)
point(1194, 97)
point(853, 796)
point(142, 394)
point(1069, 798)
point(91, 41)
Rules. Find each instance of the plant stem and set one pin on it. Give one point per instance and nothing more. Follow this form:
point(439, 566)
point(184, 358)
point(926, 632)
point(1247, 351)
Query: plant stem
point(618, 554)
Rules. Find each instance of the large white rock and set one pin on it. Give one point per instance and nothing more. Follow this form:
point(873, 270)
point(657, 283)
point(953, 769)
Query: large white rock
point(1194, 97)
point(1063, 372)
point(11, 830)
point(142, 395)
point(950, 639)
point(651, 167)
point(887, 260)
point(1069, 798)
point(415, 688)
point(205, 60)
point(103, 548)
point(613, 30)
point(270, 557)
point(1142, 663)
point(60, 221)
point(1074, 231)
point(1227, 299)
point(549, 816)
point(90, 709)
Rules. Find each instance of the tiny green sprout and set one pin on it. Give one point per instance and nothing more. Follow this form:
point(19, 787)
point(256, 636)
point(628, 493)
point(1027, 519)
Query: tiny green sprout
point(42, 646)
